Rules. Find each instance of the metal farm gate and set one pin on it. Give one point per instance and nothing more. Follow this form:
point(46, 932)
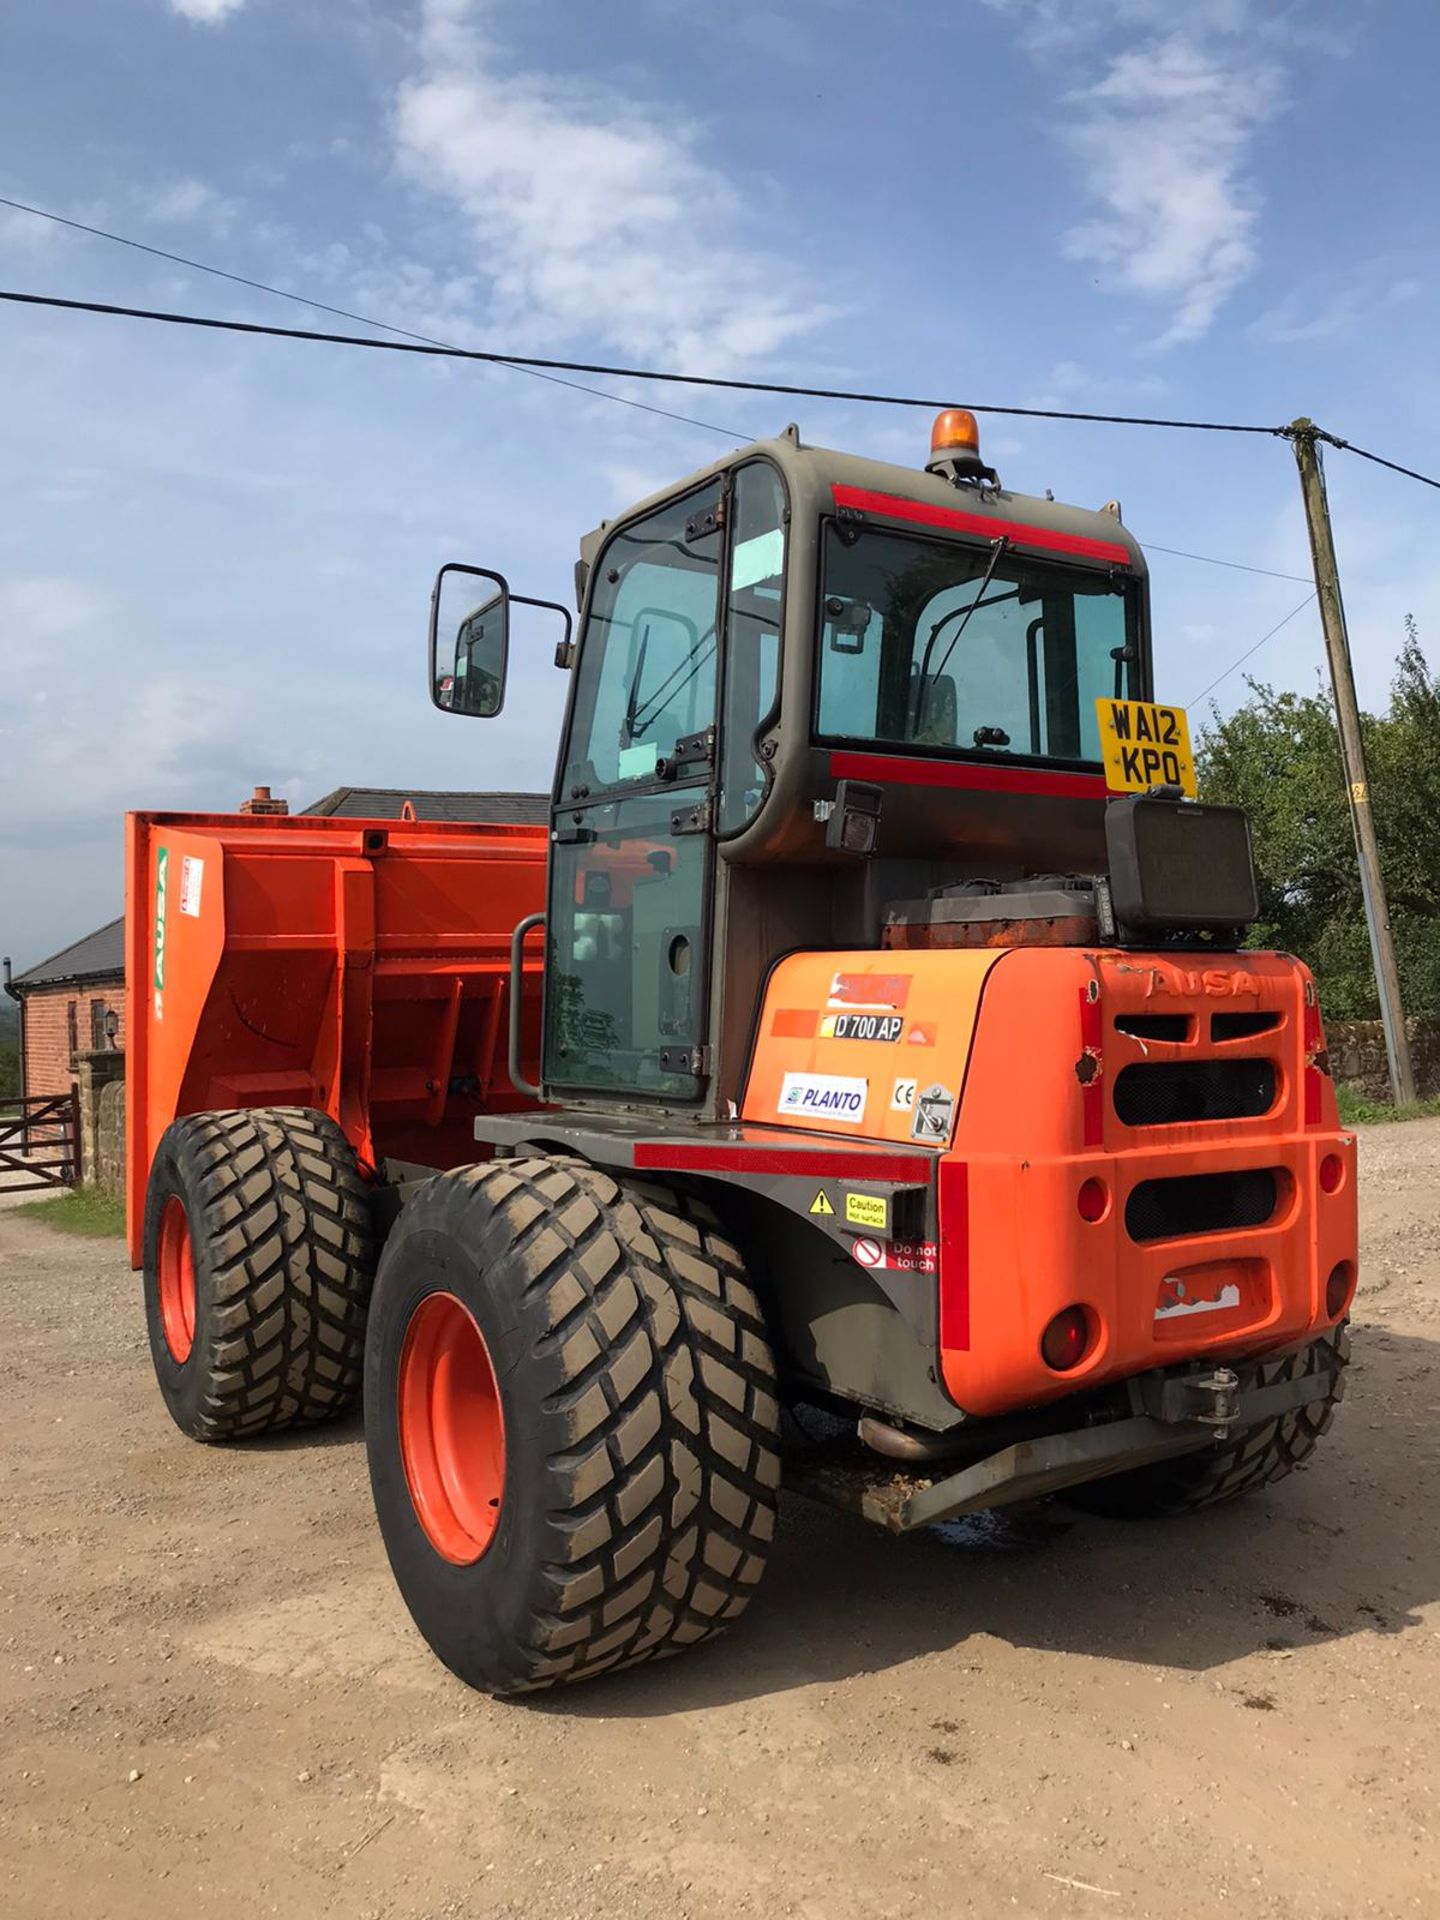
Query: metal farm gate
point(39, 1142)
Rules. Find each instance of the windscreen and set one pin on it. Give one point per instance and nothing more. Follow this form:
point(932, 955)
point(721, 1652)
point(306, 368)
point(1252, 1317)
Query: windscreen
point(935, 645)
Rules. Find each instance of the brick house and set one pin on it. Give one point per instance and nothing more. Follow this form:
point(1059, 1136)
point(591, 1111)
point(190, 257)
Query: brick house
point(73, 1001)
point(67, 1002)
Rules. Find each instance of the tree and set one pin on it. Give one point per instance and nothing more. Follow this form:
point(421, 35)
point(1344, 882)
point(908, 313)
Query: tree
point(1278, 756)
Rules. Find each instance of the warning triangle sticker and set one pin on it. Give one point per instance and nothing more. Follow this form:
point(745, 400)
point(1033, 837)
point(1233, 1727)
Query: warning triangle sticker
point(821, 1203)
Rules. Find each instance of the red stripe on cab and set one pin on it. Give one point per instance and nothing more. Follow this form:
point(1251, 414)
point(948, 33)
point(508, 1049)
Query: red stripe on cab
point(986, 526)
point(966, 776)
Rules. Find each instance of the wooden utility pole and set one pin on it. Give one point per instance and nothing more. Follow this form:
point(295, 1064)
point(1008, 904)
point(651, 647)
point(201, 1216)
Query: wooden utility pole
point(1303, 436)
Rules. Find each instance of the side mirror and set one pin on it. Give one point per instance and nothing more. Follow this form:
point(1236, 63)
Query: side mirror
point(469, 641)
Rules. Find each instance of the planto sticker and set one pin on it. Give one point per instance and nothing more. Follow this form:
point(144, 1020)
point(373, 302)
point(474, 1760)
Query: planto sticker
point(870, 992)
point(192, 877)
point(825, 1096)
point(822, 1203)
point(861, 1026)
point(867, 1210)
point(902, 1096)
point(897, 1256)
point(934, 1114)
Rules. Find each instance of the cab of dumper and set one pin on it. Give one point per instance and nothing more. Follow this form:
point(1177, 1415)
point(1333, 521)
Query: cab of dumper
point(807, 688)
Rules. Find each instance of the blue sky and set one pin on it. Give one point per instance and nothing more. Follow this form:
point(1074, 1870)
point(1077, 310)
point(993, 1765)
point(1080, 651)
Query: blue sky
point(216, 554)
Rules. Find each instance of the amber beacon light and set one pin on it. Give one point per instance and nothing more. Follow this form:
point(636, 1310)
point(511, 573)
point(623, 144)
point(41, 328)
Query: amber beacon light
point(955, 449)
point(955, 431)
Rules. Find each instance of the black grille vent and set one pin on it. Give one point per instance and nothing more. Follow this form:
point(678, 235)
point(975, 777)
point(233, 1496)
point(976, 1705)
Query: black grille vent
point(1242, 1026)
point(1199, 1203)
point(1169, 1093)
point(1154, 1026)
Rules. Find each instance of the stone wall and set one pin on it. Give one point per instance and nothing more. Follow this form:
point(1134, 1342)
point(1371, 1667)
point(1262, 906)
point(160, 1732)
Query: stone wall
point(1357, 1056)
point(101, 1077)
point(109, 1165)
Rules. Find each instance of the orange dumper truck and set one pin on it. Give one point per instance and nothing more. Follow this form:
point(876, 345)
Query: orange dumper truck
point(863, 1079)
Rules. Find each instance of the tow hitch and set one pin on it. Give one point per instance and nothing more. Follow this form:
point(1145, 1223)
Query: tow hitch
point(1170, 1414)
point(1212, 1399)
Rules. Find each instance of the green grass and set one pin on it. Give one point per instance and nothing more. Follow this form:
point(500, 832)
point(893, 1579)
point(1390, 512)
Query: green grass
point(81, 1210)
point(1356, 1111)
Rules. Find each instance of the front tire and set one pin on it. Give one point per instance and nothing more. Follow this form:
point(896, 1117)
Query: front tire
point(258, 1263)
point(571, 1419)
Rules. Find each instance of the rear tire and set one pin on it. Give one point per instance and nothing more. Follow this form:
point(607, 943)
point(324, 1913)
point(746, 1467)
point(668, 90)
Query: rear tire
point(1256, 1457)
point(629, 1463)
point(259, 1261)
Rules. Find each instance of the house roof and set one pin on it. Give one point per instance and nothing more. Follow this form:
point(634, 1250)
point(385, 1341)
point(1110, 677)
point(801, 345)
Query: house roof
point(99, 956)
point(386, 803)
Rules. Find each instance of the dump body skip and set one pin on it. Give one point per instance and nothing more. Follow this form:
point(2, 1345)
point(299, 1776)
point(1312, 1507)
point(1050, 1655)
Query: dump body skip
point(358, 968)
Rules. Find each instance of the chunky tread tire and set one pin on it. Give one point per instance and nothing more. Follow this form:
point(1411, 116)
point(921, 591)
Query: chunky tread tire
point(284, 1259)
point(1254, 1458)
point(638, 1391)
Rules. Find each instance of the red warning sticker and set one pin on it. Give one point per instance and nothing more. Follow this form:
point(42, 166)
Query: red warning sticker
point(903, 1256)
point(872, 992)
point(794, 1023)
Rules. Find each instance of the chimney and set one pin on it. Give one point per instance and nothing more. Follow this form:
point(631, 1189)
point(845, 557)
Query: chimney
point(261, 802)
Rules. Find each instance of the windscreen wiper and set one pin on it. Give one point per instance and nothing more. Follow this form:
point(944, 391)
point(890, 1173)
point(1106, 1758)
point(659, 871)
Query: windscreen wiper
point(641, 716)
point(925, 676)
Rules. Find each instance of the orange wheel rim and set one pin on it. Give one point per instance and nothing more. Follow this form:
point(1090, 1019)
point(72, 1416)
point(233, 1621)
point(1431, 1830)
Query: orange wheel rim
point(176, 1262)
point(452, 1429)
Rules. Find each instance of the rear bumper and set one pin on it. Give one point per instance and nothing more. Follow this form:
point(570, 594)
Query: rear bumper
point(1016, 1250)
point(1092, 1077)
point(1186, 1411)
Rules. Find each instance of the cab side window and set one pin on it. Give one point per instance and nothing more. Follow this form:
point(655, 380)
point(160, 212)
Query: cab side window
point(752, 636)
point(647, 670)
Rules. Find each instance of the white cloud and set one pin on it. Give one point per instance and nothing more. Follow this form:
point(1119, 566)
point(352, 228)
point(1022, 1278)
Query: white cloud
point(1162, 127)
point(1162, 143)
point(42, 616)
point(1327, 308)
point(591, 215)
point(209, 13)
point(186, 201)
point(1068, 384)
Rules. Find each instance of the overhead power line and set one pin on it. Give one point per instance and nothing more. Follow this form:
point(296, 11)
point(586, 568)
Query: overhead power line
point(1210, 560)
point(553, 369)
point(1348, 446)
point(531, 361)
point(344, 313)
point(1234, 664)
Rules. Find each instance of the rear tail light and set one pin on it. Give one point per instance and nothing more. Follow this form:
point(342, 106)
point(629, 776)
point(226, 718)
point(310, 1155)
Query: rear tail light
point(1066, 1341)
point(1093, 1201)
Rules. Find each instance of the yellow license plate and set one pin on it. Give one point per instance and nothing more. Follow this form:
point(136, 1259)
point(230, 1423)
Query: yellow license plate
point(1145, 746)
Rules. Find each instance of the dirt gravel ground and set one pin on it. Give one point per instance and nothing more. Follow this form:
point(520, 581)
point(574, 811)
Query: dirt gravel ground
point(212, 1702)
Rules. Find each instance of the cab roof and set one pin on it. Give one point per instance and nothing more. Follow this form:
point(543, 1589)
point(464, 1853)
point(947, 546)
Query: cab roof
point(825, 480)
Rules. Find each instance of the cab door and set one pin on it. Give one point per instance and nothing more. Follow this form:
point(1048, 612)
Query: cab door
point(631, 871)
